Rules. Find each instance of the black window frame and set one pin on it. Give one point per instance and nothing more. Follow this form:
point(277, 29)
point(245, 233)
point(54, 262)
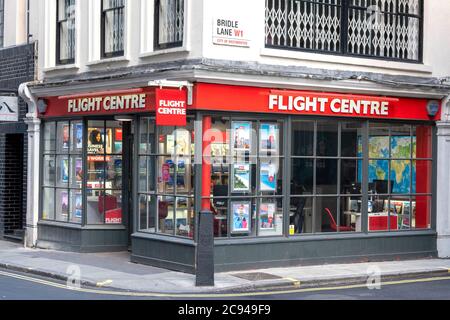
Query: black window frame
point(119, 53)
point(156, 37)
point(2, 23)
point(60, 61)
point(344, 45)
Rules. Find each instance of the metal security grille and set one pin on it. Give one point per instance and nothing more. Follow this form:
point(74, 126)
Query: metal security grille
point(2, 21)
point(169, 23)
point(113, 22)
point(65, 31)
point(313, 25)
point(390, 29)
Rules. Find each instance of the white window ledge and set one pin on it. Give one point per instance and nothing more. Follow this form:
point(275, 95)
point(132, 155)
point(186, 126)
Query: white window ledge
point(107, 60)
point(338, 59)
point(164, 51)
point(65, 67)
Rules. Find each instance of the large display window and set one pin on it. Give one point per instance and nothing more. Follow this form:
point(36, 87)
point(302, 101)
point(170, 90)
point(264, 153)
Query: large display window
point(166, 174)
point(399, 173)
point(269, 177)
point(247, 159)
point(324, 186)
point(62, 172)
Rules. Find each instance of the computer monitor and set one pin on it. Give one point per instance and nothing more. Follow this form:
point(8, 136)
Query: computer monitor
point(220, 190)
point(381, 186)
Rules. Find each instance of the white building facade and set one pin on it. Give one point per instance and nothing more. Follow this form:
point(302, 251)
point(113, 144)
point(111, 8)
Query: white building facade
point(326, 123)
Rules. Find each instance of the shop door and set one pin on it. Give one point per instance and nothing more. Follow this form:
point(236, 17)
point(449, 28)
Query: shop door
point(109, 174)
point(127, 154)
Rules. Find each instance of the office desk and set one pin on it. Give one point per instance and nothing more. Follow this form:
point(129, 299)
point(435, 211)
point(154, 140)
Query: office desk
point(378, 221)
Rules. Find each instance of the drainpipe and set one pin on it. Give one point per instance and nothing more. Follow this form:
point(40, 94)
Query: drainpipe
point(33, 164)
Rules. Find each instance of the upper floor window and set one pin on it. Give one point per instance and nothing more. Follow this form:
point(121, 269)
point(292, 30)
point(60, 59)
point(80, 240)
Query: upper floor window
point(113, 21)
point(389, 29)
point(65, 29)
point(169, 23)
point(2, 21)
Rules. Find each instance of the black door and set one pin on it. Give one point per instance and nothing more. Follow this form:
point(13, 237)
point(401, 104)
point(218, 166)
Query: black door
point(127, 191)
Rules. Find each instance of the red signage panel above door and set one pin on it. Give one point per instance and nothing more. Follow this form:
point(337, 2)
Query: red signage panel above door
point(266, 100)
point(171, 106)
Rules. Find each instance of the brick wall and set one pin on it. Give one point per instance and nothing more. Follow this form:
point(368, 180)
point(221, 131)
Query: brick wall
point(17, 65)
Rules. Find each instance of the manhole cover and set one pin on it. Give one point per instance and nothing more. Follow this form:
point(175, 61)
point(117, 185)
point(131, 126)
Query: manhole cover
point(256, 276)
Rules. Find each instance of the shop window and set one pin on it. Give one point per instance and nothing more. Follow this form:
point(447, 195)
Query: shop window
point(113, 25)
point(169, 23)
point(247, 170)
point(65, 31)
point(62, 171)
point(400, 171)
point(325, 191)
point(166, 173)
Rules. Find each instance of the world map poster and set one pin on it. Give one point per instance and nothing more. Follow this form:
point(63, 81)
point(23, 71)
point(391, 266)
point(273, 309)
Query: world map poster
point(400, 173)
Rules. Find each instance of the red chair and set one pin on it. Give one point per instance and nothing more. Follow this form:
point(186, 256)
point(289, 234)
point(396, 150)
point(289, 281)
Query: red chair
point(106, 203)
point(333, 224)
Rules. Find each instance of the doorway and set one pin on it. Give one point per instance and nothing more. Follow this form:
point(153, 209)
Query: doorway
point(109, 174)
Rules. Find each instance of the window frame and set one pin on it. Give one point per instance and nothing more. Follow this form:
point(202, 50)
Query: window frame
point(71, 153)
point(2, 24)
point(156, 35)
point(60, 61)
point(155, 155)
point(344, 23)
point(103, 13)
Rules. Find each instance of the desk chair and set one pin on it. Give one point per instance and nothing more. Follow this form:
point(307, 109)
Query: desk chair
point(333, 224)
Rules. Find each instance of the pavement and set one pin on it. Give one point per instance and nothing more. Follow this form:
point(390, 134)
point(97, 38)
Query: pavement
point(114, 271)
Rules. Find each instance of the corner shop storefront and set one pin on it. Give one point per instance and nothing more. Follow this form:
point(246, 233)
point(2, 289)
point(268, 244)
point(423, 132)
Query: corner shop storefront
point(293, 177)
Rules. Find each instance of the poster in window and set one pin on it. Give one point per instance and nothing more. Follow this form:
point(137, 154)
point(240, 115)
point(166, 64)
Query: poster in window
point(241, 178)
point(66, 136)
point(109, 141)
point(78, 206)
point(95, 141)
point(79, 135)
point(241, 133)
point(268, 176)
point(64, 203)
point(118, 141)
point(170, 144)
point(267, 216)
point(183, 142)
point(181, 173)
point(79, 169)
point(241, 217)
point(65, 170)
point(269, 138)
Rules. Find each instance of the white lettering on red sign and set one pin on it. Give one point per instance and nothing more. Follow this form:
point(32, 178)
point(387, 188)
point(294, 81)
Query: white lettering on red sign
point(323, 105)
point(108, 103)
point(170, 107)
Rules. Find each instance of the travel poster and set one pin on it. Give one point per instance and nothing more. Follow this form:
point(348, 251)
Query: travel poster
point(241, 217)
point(241, 177)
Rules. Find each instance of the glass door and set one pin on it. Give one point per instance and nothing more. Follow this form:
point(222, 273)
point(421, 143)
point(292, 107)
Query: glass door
point(104, 185)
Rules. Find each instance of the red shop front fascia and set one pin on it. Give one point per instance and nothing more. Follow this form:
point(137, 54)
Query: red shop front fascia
point(230, 98)
point(111, 103)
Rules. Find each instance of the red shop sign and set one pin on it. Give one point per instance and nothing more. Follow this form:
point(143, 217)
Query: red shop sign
point(266, 100)
point(101, 103)
point(170, 107)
